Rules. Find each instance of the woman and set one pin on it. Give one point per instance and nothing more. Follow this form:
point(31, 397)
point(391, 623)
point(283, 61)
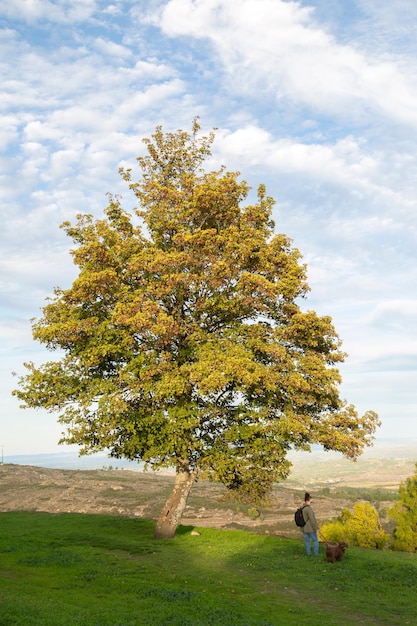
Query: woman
point(311, 527)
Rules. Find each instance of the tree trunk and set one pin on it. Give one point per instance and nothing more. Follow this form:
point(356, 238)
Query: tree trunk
point(174, 507)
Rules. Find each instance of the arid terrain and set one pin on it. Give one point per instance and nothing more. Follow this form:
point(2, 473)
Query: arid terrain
point(335, 483)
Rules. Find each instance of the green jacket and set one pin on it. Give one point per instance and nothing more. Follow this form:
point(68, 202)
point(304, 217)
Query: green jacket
point(310, 519)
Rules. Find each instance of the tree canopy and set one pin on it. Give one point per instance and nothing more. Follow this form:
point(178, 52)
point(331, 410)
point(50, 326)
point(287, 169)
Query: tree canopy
point(182, 342)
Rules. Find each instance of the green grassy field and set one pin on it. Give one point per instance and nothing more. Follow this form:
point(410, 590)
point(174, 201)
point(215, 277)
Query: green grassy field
point(74, 570)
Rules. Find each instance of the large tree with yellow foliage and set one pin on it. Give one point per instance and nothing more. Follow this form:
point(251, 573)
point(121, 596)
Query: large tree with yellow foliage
point(182, 343)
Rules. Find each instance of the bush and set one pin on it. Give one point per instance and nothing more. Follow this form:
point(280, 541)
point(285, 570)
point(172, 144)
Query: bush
point(361, 527)
point(333, 532)
point(253, 513)
point(404, 512)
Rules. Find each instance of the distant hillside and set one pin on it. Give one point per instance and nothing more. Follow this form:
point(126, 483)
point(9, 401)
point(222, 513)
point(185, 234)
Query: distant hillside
point(71, 460)
point(383, 449)
point(104, 486)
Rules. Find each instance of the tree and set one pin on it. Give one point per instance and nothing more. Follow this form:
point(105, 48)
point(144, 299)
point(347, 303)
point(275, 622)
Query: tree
point(404, 512)
point(360, 527)
point(182, 338)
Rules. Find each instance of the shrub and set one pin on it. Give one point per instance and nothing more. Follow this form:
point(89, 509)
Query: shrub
point(253, 513)
point(333, 531)
point(360, 527)
point(404, 512)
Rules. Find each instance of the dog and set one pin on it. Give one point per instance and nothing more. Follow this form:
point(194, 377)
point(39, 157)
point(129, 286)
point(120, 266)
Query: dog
point(335, 551)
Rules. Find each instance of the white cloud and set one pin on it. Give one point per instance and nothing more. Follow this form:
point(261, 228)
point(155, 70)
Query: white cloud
point(8, 130)
point(111, 49)
point(388, 26)
point(395, 312)
point(153, 96)
point(57, 11)
point(38, 270)
point(276, 46)
point(344, 163)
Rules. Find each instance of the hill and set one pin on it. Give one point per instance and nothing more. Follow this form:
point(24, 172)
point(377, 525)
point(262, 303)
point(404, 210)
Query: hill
point(336, 483)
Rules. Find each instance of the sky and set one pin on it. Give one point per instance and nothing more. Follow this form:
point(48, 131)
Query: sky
point(316, 99)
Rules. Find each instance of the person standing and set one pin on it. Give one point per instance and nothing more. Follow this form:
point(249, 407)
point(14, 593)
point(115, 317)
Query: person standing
point(311, 527)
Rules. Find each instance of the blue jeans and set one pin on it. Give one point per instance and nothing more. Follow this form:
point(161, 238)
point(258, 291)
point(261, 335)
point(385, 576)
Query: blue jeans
point(307, 539)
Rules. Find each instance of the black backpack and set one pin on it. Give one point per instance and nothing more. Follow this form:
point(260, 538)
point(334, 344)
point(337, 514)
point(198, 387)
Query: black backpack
point(299, 517)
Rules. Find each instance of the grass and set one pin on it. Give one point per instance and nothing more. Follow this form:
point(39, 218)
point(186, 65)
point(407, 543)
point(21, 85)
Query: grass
point(79, 570)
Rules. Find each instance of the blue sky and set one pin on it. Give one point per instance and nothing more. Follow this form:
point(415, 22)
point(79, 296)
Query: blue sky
point(318, 100)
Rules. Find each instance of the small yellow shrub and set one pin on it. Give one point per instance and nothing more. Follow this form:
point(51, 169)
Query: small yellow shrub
point(360, 527)
point(333, 532)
